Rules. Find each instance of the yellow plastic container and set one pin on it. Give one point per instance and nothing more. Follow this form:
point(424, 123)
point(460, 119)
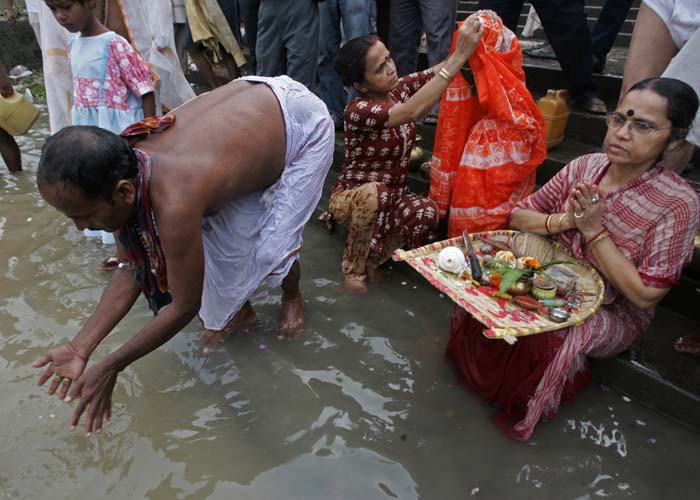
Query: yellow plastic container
point(17, 114)
point(556, 113)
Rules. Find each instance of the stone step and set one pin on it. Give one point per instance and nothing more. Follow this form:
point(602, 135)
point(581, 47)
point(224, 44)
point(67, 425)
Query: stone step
point(593, 9)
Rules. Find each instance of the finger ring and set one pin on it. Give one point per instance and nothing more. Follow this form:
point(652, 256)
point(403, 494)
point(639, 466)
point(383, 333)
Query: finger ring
point(595, 198)
point(579, 215)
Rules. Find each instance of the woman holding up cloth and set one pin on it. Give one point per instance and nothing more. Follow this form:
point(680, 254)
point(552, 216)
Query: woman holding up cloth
point(371, 197)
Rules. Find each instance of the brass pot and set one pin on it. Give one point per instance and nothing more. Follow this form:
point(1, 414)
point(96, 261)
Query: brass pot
point(520, 287)
point(417, 154)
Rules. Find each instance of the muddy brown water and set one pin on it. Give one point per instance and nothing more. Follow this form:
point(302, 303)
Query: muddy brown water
point(362, 406)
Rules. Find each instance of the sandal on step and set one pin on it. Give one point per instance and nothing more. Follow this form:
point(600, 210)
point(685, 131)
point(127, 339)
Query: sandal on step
point(543, 51)
point(593, 105)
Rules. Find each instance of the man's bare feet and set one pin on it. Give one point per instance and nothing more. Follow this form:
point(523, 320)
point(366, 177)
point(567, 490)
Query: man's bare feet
point(689, 344)
point(245, 316)
point(375, 275)
point(292, 318)
point(355, 285)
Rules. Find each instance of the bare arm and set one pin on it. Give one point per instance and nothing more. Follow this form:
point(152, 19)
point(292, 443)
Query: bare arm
point(180, 234)
point(148, 101)
point(617, 268)
point(530, 221)
point(67, 361)
point(184, 254)
point(624, 275)
point(117, 300)
point(420, 103)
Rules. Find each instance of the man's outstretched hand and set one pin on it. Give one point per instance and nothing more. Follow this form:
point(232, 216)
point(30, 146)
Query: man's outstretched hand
point(94, 389)
point(65, 365)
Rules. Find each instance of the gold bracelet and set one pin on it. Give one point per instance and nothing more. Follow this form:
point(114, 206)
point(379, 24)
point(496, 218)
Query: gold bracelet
point(546, 223)
point(445, 74)
point(560, 220)
point(598, 238)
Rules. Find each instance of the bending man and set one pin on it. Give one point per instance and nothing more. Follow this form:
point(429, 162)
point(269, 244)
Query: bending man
point(204, 211)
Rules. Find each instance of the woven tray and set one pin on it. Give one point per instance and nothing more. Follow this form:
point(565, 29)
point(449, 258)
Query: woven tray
point(502, 318)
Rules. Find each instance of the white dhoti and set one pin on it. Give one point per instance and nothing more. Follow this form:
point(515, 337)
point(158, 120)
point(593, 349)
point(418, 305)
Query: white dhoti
point(257, 236)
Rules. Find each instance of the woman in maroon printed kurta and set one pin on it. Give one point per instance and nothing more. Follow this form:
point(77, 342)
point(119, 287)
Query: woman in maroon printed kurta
point(371, 197)
point(630, 218)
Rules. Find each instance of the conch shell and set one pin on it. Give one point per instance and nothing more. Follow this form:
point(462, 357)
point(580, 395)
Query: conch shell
point(451, 259)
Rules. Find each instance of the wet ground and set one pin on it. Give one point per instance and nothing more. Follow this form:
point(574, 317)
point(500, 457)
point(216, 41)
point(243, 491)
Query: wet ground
point(362, 406)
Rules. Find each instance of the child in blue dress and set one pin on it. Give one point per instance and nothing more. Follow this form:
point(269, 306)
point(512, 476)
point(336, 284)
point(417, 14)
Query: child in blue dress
point(112, 84)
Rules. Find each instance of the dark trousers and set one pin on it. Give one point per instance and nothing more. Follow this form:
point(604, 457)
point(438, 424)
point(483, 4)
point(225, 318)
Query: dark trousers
point(407, 19)
point(564, 22)
point(249, 15)
point(287, 41)
point(608, 25)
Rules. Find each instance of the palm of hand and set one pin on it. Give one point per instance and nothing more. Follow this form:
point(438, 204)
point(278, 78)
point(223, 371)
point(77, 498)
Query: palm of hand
point(63, 361)
point(67, 364)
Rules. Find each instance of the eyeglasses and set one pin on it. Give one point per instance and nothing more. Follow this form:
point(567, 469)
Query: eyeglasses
point(617, 120)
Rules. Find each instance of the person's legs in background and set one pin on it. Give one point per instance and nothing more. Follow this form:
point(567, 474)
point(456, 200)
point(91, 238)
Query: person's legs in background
point(405, 26)
point(354, 16)
point(651, 49)
point(300, 35)
point(507, 10)
point(565, 24)
point(685, 66)
point(606, 28)
point(269, 47)
point(439, 21)
point(249, 16)
point(200, 60)
point(9, 150)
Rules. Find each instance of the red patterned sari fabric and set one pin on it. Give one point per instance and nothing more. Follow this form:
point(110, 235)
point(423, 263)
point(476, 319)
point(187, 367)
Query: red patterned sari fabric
point(487, 148)
point(652, 221)
point(380, 155)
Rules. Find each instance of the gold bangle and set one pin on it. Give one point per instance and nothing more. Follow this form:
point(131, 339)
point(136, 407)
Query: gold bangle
point(445, 74)
point(560, 220)
point(598, 238)
point(546, 223)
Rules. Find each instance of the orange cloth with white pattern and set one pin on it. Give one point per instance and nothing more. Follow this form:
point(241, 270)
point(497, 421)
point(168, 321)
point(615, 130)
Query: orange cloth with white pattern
point(487, 148)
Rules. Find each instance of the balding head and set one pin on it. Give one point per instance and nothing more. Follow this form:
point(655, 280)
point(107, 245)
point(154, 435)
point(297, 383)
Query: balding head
point(90, 159)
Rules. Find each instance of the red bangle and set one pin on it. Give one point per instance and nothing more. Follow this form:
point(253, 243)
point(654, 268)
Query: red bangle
point(595, 236)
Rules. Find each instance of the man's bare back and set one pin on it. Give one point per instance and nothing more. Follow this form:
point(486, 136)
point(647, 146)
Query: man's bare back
point(213, 164)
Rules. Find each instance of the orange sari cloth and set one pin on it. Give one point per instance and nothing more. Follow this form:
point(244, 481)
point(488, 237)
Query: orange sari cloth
point(487, 148)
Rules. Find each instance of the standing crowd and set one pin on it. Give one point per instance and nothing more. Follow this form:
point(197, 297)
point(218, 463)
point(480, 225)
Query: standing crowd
point(137, 159)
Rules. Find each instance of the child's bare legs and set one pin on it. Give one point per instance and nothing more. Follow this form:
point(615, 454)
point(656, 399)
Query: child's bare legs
point(9, 150)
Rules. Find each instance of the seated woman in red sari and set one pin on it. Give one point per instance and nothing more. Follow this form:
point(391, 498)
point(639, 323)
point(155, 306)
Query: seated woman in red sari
point(371, 197)
point(626, 215)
